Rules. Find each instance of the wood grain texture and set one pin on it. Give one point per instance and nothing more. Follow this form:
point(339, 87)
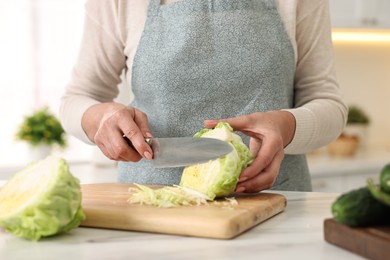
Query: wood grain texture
point(369, 242)
point(105, 206)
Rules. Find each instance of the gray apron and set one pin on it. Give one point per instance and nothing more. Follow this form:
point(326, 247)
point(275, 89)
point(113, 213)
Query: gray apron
point(211, 59)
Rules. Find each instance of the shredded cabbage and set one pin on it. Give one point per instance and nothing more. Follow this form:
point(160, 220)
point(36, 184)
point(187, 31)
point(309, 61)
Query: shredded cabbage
point(174, 196)
point(166, 197)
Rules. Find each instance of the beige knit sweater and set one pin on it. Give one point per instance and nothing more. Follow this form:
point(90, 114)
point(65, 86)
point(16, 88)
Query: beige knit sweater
point(112, 31)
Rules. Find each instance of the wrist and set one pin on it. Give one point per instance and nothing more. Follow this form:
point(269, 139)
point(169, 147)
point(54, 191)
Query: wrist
point(94, 115)
point(286, 124)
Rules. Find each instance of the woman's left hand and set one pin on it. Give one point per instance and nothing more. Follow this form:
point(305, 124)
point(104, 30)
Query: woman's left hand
point(270, 132)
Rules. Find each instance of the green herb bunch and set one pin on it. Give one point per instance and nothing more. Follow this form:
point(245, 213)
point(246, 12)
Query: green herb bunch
point(357, 116)
point(42, 127)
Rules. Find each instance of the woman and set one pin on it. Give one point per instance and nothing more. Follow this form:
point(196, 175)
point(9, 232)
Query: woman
point(265, 66)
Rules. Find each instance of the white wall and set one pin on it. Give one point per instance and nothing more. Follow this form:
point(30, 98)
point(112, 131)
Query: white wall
point(39, 42)
point(363, 71)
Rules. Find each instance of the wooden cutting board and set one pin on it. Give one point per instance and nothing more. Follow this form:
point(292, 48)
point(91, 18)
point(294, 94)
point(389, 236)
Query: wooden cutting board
point(369, 242)
point(105, 206)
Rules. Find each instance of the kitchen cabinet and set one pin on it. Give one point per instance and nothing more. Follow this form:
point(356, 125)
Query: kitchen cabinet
point(360, 13)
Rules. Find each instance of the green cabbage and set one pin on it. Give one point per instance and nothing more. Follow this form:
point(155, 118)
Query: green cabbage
point(219, 177)
point(41, 200)
point(202, 182)
point(166, 197)
point(173, 196)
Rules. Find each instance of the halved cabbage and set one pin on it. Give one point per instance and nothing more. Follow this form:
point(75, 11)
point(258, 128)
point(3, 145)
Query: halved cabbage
point(41, 200)
point(218, 177)
point(202, 182)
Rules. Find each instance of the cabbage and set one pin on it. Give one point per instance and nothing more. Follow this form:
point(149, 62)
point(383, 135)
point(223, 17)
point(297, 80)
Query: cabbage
point(173, 196)
point(204, 182)
point(219, 177)
point(166, 197)
point(41, 200)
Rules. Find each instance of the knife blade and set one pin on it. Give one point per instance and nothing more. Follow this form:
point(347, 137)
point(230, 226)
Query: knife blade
point(185, 151)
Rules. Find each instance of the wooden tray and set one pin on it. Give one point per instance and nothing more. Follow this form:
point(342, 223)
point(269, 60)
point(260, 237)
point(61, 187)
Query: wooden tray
point(369, 242)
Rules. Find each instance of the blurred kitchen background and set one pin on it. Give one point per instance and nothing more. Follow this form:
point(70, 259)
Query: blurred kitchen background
point(39, 42)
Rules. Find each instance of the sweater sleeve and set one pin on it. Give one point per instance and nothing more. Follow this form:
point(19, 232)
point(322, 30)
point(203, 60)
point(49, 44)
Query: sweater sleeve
point(97, 71)
point(319, 109)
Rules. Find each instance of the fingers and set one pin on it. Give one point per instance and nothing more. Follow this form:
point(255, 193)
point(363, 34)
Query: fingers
point(210, 123)
point(270, 132)
point(261, 180)
point(136, 130)
point(239, 123)
point(116, 148)
point(129, 122)
point(262, 173)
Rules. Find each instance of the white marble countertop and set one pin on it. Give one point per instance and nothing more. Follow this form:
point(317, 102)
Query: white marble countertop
point(296, 233)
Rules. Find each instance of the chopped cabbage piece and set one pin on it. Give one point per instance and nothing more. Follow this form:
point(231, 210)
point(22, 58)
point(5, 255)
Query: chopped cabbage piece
point(41, 200)
point(166, 197)
point(173, 196)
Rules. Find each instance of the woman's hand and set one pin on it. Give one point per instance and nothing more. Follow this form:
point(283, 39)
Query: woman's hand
point(270, 132)
point(106, 123)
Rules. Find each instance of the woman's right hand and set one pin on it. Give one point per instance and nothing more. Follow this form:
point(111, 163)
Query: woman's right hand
point(106, 123)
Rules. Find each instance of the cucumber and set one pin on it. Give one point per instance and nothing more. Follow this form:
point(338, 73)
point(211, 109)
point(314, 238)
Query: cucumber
point(359, 208)
point(385, 178)
point(378, 193)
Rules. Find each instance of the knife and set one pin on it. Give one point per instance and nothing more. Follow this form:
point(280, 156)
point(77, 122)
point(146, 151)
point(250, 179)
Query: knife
point(184, 151)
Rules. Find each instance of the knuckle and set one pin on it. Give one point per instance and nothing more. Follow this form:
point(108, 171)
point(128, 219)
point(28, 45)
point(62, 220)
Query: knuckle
point(119, 151)
point(131, 132)
point(142, 114)
point(276, 139)
point(121, 112)
point(105, 124)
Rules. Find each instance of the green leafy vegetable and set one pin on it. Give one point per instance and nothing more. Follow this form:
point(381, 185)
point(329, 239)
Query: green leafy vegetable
point(42, 127)
point(202, 183)
point(41, 200)
point(166, 197)
point(173, 196)
point(218, 177)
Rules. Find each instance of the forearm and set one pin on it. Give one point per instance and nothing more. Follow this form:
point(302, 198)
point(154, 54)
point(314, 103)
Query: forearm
point(317, 123)
point(72, 109)
point(96, 73)
point(319, 109)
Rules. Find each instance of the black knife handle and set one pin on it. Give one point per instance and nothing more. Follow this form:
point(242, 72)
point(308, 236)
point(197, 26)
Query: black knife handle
point(148, 140)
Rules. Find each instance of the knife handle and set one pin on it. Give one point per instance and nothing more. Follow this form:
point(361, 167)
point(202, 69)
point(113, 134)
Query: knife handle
point(148, 140)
